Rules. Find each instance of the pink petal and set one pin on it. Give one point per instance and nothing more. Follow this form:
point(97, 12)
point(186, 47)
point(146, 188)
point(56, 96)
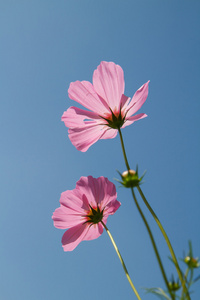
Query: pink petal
point(111, 207)
point(124, 101)
point(94, 232)
point(82, 232)
point(92, 188)
point(132, 119)
point(108, 81)
point(138, 100)
point(83, 137)
point(79, 121)
point(99, 191)
point(73, 200)
point(74, 117)
point(73, 236)
point(109, 134)
point(83, 92)
point(64, 217)
point(110, 192)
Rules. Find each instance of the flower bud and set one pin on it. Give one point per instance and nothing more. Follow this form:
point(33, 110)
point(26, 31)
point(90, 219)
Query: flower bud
point(130, 178)
point(173, 285)
point(192, 262)
point(127, 173)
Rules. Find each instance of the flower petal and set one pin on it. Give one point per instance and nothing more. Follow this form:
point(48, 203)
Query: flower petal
point(138, 100)
point(83, 137)
point(108, 81)
point(99, 192)
point(132, 119)
point(124, 102)
point(83, 92)
point(73, 200)
point(86, 128)
point(65, 217)
point(110, 192)
point(74, 117)
point(111, 207)
point(94, 232)
point(92, 188)
point(109, 134)
point(73, 236)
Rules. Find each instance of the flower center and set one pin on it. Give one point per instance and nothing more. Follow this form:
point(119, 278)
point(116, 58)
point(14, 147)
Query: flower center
point(95, 215)
point(114, 120)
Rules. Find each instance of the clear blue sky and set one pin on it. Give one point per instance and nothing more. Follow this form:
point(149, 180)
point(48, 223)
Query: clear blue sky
point(44, 46)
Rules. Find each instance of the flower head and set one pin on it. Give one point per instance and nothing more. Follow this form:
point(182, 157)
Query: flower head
point(192, 262)
point(130, 178)
point(109, 108)
point(174, 285)
point(83, 209)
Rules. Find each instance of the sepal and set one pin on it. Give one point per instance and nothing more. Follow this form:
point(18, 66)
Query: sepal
point(174, 285)
point(130, 178)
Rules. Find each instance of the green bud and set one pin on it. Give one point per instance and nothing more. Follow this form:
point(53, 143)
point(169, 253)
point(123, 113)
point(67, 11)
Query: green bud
point(192, 262)
point(130, 178)
point(173, 285)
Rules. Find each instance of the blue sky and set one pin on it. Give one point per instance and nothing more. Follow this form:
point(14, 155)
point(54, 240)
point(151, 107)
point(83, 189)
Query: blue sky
point(45, 45)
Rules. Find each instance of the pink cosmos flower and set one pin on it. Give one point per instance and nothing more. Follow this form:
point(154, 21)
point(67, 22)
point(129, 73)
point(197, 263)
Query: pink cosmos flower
point(83, 209)
point(109, 108)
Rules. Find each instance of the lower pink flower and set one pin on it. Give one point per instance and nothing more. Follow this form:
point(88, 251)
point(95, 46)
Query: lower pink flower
point(83, 209)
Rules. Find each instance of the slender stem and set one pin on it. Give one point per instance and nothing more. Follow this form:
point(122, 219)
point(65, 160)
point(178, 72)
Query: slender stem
point(122, 262)
point(191, 277)
point(123, 149)
point(185, 279)
point(144, 220)
point(167, 241)
point(158, 222)
point(153, 243)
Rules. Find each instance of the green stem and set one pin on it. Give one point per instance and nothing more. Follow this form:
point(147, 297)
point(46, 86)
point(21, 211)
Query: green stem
point(157, 221)
point(144, 219)
point(167, 241)
point(191, 277)
point(123, 149)
point(122, 262)
point(153, 244)
point(185, 280)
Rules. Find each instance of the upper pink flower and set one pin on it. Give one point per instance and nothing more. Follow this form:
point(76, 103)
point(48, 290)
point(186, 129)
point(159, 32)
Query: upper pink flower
point(83, 209)
point(109, 108)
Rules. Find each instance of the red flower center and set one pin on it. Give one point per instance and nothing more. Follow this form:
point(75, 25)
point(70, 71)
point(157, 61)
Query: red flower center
point(114, 120)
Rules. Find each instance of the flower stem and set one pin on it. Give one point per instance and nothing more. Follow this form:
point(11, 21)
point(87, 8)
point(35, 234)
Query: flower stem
point(167, 241)
point(122, 262)
point(123, 149)
point(153, 244)
point(157, 221)
point(144, 219)
point(185, 280)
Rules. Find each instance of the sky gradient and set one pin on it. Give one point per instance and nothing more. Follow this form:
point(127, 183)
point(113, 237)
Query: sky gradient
point(45, 45)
